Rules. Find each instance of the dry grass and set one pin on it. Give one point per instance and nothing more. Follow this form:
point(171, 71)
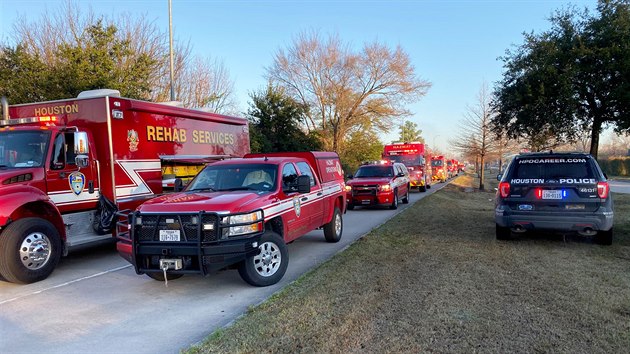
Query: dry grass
point(434, 279)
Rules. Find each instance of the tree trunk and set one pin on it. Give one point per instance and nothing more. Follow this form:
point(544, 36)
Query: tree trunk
point(596, 129)
point(481, 173)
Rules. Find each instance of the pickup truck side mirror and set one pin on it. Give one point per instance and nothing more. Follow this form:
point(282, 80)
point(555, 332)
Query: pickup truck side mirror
point(178, 186)
point(304, 184)
point(401, 174)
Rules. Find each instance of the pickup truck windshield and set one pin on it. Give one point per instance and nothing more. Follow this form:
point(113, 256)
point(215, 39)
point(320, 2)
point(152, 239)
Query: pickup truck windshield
point(374, 171)
point(20, 149)
point(258, 177)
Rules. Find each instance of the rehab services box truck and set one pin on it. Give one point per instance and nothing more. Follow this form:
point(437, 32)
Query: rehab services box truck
point(67, 167)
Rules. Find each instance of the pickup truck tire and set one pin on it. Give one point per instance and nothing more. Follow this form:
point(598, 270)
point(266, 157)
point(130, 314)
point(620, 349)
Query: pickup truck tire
point(605, 237)
point(503, 233)
point(395, 201)
point(30, 249)
point(334, 229)
point(160, 276)
point(269, 266)
point(405, 199)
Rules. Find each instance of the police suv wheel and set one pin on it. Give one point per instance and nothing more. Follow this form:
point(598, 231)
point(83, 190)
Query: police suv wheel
point(334, 229)
point(30, 249)
point(269, 266)
point(605, 237)
point(503, 233)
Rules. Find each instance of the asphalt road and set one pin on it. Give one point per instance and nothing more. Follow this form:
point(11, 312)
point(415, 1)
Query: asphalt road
point(94, 301)
point(620, 186)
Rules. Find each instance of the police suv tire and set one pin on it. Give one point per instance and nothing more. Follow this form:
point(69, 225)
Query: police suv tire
point(395, 201)
point(334, 229)
point(605, 237)
point(16, 248)
point(503, 233)
point(273, 250)
point(160, 276)
point(405, 199)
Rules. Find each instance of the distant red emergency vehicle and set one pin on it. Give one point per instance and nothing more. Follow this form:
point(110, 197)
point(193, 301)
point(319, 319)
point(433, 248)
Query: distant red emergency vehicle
point(412, 155)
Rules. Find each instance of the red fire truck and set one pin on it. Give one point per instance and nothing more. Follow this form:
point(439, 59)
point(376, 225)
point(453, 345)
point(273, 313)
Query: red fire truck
point(67, 166)
point(440, 168)
point(411, 155)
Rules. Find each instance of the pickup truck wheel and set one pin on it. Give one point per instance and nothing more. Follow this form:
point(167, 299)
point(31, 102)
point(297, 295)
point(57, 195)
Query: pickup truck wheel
point(503, 233)
point(395, 201)
point(334, 229)
point(30, 249)
point(160, 276)
point(405, 199)
point(605, 237)
point(269, 266)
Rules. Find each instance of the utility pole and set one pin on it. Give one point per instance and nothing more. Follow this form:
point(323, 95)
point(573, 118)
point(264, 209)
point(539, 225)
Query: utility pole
point(170, 36)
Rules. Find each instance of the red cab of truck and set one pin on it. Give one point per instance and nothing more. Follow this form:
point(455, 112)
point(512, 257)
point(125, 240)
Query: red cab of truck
point(440, 168)
point(240, 213)
point(67, 166)
point(378, 183)
point(412, 155)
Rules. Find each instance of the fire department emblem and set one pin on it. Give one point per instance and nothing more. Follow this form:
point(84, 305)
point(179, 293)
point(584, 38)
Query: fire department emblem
point(297, 206)
point(77, 182)
point(132, 138)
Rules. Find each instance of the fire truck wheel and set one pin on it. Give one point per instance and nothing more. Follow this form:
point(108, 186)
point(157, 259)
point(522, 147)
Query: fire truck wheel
point(334, 229)
point(160, 276)
point(395, 201)
point(30, 249)
point(405, 199)
point(269, 266)
point(423, 188)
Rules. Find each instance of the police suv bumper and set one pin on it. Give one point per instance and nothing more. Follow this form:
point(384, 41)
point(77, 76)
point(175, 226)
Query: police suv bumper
point(602, 220)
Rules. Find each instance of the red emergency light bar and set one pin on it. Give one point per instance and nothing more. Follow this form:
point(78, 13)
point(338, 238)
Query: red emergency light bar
point(29, 120)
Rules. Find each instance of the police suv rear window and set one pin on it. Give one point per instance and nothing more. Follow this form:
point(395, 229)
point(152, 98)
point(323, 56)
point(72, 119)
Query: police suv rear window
point(564, 170)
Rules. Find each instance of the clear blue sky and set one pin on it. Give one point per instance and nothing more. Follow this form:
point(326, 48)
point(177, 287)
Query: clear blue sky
point(454, 44)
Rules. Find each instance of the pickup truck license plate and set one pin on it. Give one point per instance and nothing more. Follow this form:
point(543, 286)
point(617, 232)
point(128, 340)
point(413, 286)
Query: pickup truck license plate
point(169, 235)
point(557, 194)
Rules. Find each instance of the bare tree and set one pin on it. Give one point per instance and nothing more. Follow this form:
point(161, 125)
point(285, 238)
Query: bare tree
point(475, 135)
point(212, 88)
point(345, 89)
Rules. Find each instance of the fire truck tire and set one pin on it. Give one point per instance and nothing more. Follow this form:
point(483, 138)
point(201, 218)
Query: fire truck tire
point(30, 249)
point(269, 266)
point(422, 188)
point(395, 201)
point(405, 199)
point(334, 229)
point(160, 276)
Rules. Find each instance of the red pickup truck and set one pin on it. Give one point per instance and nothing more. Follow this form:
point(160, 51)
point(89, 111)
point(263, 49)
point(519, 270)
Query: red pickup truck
point(239, 212)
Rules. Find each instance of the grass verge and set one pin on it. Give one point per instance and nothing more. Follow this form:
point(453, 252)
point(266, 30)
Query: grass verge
point(435, 279)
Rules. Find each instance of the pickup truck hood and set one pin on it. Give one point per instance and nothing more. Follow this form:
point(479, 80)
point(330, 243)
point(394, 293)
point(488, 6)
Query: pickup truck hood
point(221, 202)
point(369, 180)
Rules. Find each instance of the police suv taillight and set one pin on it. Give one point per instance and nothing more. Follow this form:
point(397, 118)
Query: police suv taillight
point(504, 189)
point(602, 189)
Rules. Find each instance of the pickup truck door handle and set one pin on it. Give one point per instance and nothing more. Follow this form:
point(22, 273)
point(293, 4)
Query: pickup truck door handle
point(320, 194)
point(304, 199)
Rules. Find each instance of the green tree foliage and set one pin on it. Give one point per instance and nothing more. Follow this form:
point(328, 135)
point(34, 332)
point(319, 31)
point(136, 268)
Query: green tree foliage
point(275, 120)
point(572, 77)
point(93, 62)
point(409, 132)
point(366, 146)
